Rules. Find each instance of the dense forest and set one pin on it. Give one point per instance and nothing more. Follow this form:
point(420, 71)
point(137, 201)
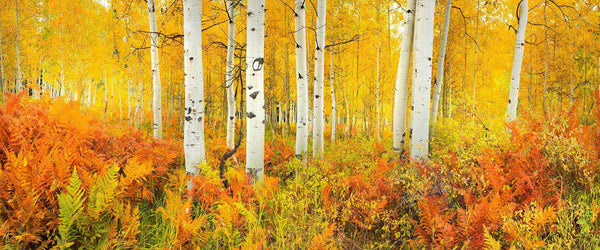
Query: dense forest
point(294, 124)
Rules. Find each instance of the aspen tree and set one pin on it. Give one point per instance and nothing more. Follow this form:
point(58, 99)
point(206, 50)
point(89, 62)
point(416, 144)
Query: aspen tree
point(318, 102)
point(439, 81)
point(255, 96)
point(333, 104)
point(474, 64)
point(229, 75)
point(515, 78)
point(193, 134)
point(301, 80)
point(105, 96)
point(2, 86)
point(18, 52)
point(401, 88)
point(422, 64)
point(378, 75)
point(156, 108)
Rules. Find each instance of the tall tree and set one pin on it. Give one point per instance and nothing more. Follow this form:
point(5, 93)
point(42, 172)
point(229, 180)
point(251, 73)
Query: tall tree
point(475, 62)
point(2, 86)
point(333, 104)
point(156, 107)
point(318, 102)
point(422, 64)
point(515, 74)
point(18, 52)
point(229, 77)
point(377, 81)
point(401, 89)
point(439, 81)
point(301, 80)
point(193, 134)
point(255, 96)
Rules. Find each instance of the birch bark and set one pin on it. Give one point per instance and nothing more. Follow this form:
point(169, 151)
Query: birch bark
point(475, 64)
point(422, 78)
point(156, 103)
point(301, 80)
point(440, 67)
point(2, 86)
point(229, 75)
point(401, 89)
point(255, 104)
point(333, 103)
point(318, 102)
point(18, 52)
point(515, 78)
point(193, 135)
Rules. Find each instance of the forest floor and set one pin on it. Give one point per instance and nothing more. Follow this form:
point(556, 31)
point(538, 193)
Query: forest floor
point(68, 180)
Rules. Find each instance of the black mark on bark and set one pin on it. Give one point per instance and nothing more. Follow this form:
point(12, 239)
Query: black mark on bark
point(258, 64)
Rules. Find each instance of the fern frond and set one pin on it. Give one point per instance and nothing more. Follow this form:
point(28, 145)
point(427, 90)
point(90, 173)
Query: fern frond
point(102, 193)
point(489, 242)
point(70, 207)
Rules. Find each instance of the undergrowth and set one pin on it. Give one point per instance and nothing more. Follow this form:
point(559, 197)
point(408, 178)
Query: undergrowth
point(69, 180)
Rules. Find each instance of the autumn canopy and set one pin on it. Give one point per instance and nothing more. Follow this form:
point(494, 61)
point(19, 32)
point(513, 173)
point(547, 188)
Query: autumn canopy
point(287, 124)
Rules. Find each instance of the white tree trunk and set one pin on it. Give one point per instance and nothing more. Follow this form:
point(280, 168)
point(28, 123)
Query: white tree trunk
point(255, 96)
point(138, 108)
point(318, 102)
point(94, 88)
point(120, 106)
point(193, 134)
point(89, 95)
point(544, 96)
point(422, 78)
point(475, 64)
point(229, 75)
point(449, 90)
point(61, 89)
point(18, 52)
point(571, 94)
point(105, 96)
point(515, 78)
point(2, 86)
point(347, 115)
point(333, 104)
point(301, 80)
point(156, 103)
point(401, 89)
point(377, 87)
point(439, 82)
point(130, 98)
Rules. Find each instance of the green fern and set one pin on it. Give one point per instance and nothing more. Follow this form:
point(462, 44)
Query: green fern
point(70, 208)
point(96, 225)
point(102, 194)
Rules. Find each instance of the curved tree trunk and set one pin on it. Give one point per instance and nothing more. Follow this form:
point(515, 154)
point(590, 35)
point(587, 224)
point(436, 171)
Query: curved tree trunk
point(229, 75)
point(255, 96)
point(156, 104)
point(440, 67)
point(318, 102)
point(193, 132)
point(515, 78)
point(401, 89)
point(422, 78)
